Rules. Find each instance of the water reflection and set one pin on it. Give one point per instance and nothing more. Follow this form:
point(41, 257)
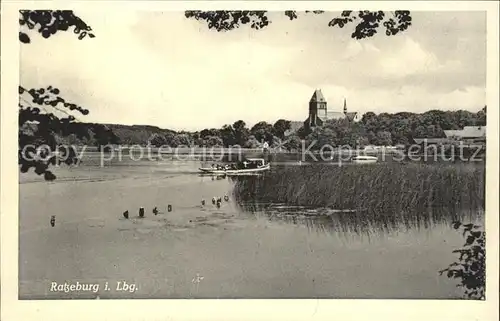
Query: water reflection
point(334, 220)
point(351, 221)
point(319, 219)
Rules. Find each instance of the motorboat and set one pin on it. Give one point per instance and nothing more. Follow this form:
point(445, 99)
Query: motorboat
point(248, 166)
point(364, 159)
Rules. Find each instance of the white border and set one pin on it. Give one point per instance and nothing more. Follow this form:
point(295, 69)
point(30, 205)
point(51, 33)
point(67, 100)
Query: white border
point(13, 309)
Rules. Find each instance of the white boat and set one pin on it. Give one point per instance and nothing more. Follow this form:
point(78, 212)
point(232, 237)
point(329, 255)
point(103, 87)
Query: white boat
point(250, 165)
point(363, 159)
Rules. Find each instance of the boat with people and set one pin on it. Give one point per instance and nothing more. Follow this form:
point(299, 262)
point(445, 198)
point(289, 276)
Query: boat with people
point(364, 159)
point(247, 166)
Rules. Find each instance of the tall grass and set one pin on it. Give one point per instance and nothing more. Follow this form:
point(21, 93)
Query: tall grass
point(387, 193)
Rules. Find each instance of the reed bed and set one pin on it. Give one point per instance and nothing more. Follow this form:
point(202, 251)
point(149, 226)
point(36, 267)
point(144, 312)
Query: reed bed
point(386, 195)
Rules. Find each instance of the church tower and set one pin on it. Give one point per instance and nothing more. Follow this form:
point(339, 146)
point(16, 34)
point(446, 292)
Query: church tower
point(317, 109)
point(345, 107)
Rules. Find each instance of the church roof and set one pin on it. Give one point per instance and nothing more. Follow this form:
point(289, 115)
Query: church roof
point(351, 115)
point(318, 97)
point(334, 115)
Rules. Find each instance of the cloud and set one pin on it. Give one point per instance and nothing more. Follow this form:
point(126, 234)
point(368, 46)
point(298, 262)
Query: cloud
point(165, 70)
point(407, 60)
point(405, 98)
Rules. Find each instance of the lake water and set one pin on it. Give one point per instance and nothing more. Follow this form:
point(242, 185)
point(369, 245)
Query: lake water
point(198, 251)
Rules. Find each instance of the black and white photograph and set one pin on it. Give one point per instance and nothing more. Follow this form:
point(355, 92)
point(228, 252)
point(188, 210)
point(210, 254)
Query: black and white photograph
point(253, 154)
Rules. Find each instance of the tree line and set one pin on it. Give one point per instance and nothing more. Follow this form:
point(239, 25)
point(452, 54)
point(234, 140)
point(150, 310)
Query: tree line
point(383, 129)
point(387, 129)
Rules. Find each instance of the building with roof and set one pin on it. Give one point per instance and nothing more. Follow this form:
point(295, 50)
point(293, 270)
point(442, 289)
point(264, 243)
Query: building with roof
point(319, 113)
point(432, 141)
point(469, 134)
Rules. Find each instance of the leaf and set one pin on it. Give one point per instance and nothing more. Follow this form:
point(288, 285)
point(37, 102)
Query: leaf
point(24, 37)
point(470, 240)
point(291, 14)
point(49, 176)
point(25, 168)
point(476, 234)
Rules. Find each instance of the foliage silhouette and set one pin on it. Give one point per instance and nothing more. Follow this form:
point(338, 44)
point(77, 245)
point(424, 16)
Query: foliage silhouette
point(44, 116)
point(470, 268)
point(368, 22)
point(37, 130)
point(49, 22)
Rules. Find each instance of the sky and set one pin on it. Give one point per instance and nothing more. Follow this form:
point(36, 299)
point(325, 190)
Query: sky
point(162, 69)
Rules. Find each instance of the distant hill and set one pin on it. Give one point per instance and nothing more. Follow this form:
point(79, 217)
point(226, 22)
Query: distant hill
point(136, 134)
point(118, 134)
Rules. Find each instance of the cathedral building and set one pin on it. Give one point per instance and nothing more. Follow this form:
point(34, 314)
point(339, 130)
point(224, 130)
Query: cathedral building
point(319, 113)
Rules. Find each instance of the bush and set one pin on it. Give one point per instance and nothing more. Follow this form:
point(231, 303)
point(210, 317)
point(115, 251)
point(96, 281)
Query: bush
point(470, 268)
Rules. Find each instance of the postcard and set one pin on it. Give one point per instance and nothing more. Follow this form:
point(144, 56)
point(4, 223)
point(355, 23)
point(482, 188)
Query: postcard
point(249, 160)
